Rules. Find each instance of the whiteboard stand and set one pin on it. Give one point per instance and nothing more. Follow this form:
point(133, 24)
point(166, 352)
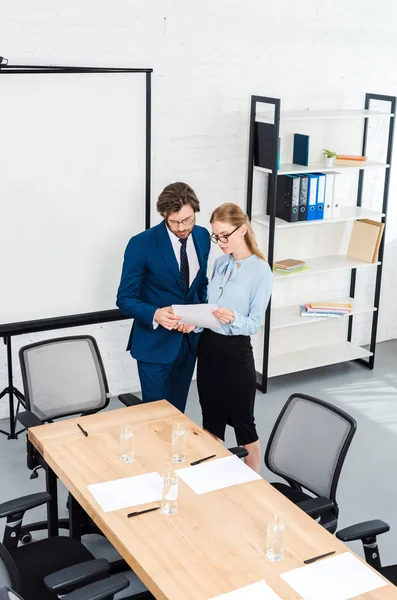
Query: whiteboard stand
point(9, 330)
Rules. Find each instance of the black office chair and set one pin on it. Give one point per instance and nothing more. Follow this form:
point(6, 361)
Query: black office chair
point(307, 448)
point(62, 377)
point(103, 590)
point(367, 532)
point(54, 566)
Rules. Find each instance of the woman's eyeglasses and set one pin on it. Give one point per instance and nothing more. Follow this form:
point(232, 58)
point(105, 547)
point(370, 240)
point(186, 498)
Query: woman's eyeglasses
point(222, 238)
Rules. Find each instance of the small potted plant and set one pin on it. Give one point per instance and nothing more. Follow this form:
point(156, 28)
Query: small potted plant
point(329, 157)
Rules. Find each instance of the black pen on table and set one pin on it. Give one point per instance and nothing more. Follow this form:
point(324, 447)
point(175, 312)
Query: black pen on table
point(200, 460)
point(141, 512)
point(312, 560)
point(83, 430)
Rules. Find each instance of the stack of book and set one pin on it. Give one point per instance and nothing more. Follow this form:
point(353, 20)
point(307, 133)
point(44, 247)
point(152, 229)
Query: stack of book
point(325, 309)
point(290, 265)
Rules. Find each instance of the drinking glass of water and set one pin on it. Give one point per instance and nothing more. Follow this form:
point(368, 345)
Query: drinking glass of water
point(179, 435)
point(127, 451)
point(169, 495)
point(275, 538)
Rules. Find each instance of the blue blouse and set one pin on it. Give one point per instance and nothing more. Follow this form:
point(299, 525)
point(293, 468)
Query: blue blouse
point(245, 289)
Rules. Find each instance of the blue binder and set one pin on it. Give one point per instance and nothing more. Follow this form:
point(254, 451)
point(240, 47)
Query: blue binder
point(312, 187)
point(322, 183)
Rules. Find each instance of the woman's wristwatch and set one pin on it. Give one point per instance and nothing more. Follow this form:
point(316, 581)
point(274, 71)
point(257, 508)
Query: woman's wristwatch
point(232, 321)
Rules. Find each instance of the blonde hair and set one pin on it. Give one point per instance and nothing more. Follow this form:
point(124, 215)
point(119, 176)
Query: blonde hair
point(233, 215)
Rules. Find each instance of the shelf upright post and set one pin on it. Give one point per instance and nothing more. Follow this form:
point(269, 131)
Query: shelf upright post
point(370, 362)
point(262, 378)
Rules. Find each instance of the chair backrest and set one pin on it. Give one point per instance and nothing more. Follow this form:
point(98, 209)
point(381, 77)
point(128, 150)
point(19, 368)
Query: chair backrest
point(9, 576)
point(7, 594)
point(63, 376)
point(308, 444)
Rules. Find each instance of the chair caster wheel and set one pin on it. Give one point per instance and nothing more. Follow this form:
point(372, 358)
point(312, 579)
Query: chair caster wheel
point(26, 538)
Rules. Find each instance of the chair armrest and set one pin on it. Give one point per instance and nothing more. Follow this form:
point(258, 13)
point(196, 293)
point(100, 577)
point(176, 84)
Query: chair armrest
point(29, 419)
point(100, 590)
point(76, 575)
point(130, 399)
point(239, 451)
point(316, 506)
point(362, 530)
point(23, 504)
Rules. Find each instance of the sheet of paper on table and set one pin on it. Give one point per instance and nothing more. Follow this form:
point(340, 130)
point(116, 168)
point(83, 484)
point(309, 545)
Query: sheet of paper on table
point(254, 591)
point(129, 491)
point(217, 474)
point(339, 577)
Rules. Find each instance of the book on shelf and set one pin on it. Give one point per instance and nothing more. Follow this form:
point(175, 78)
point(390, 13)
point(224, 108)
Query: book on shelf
point(301, 149)
point(293, 271)
point(288, 264)
point(365, 240)
point(350, 157)
point(350, 160)
point(341, 306)
point(325, 315)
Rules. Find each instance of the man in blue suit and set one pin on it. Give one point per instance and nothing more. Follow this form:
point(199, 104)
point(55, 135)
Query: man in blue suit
point(165, 265)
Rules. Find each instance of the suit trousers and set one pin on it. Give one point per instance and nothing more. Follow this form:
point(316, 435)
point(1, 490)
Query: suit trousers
point(168, 382)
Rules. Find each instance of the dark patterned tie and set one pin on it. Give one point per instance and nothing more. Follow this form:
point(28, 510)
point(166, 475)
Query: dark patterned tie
point(184, 265)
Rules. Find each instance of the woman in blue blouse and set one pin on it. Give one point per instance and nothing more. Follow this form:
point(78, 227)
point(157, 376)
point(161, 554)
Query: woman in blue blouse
point(240, 287)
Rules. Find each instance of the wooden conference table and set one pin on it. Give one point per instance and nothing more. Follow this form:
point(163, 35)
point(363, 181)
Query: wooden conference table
point(216, 541)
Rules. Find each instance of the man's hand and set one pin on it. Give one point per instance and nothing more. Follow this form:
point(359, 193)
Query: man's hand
point(166, 318)
point(185, 328)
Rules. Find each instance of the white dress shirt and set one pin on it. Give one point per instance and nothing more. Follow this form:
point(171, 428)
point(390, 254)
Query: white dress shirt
point(194, 265)
point(192, 258)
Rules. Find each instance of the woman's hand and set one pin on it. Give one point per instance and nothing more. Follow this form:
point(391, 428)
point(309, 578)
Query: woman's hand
point(225, 315)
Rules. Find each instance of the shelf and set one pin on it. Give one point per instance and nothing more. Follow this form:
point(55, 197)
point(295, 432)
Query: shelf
point(318, 167)
point(289, 316)
point(304, 115)
point(323, 264)
point(319, 356)
point(348, 213)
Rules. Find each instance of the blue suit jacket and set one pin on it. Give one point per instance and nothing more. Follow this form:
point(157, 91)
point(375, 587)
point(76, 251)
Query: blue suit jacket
point(150, 280)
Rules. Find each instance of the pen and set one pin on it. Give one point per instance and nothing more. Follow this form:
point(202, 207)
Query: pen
point(197, 462)
point(83, 430)
point(141, 512)
point(312, 560)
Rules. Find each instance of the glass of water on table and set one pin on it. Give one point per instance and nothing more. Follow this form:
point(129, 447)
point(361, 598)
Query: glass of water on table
point(179, 436)
point(275, 538)
point(127, 450)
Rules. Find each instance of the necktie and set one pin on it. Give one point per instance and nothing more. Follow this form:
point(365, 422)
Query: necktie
point(184, 268)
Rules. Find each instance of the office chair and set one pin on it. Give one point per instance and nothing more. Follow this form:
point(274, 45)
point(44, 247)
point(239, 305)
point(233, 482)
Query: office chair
point(307, 448)
point(54, 566)
point(102, 590)
point(367, 532)
point(62, 377)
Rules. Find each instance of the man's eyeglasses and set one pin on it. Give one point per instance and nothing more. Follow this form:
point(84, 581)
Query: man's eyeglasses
point(222, 238)
point(188, 221)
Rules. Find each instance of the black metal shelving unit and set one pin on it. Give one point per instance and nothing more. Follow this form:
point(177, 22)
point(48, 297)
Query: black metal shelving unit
point(272, 141)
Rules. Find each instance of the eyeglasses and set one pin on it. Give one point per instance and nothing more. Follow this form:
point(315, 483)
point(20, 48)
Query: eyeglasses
point(188, 221)
point(222, 238)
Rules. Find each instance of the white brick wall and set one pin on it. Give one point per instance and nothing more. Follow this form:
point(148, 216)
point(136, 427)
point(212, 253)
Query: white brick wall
point(208, 58)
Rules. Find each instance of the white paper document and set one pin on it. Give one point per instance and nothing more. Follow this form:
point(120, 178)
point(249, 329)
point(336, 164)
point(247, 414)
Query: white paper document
point(336, 578)
point(129, 491)
point(255, 591)
point(217, 474)
point(197, 314)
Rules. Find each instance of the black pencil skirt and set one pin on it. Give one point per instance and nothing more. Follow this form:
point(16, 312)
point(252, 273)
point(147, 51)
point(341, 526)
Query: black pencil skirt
point(226, 382)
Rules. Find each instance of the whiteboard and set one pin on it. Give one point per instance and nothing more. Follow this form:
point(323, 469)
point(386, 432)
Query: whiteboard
point(72, 189)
